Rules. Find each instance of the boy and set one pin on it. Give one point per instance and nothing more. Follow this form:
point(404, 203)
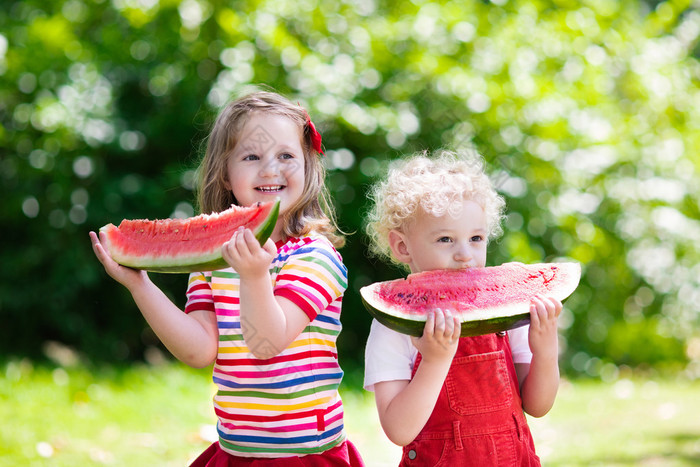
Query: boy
point(457, 401)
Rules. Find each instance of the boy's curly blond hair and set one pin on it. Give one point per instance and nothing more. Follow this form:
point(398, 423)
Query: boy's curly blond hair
point(437, 185)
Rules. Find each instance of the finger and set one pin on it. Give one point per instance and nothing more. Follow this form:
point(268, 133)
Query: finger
point(240, 237)
point(439, 322)
point(429, 328)
point(453, 327)
point(233, 236)
point(229, 250)
point(449, 324)
point(457, 331)
point(98, 248)
point(94, 241)
point(102, 237)
point(226, 246)
point(235, 242)
point(548, 310)
point(554, 307)
point(252, 243)
point(540, 304)
point(534, 316)
point(224, 252)
point(250, 240)
point(558, 307)
point(270, 247)
point(242, 243)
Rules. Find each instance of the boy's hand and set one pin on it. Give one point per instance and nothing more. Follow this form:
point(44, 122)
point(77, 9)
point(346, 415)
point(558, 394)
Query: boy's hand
point(244, 254)
point(543, 336)
point(128, 277)
point(440, 336)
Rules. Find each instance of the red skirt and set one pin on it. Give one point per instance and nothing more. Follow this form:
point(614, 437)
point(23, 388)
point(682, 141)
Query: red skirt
point(343, 455)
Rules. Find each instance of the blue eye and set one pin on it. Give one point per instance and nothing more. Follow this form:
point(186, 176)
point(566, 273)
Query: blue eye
point(286, 155)
point(444, 240)
point(251, 157)
point(477, 238)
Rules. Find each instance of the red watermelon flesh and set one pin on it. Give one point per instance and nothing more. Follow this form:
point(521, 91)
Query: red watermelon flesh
point(185, 245)
point(486, 299)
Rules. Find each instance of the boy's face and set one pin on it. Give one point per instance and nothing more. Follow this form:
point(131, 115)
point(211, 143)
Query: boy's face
point(445, 242)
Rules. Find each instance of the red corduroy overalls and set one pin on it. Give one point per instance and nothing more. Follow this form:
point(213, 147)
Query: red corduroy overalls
point(478, 419)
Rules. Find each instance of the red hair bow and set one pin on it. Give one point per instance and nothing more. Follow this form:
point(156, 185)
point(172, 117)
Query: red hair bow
point(315, 135)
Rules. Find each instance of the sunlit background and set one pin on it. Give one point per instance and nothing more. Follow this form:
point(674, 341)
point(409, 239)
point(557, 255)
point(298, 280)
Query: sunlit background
point(587, 114)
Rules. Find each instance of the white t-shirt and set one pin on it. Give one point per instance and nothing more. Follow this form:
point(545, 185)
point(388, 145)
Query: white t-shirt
point(390, 355)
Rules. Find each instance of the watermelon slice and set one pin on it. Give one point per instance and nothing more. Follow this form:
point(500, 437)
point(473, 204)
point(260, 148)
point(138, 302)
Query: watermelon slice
point(185, 245)
point(491, 299)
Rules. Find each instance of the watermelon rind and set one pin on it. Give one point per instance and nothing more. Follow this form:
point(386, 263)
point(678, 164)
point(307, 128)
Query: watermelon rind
point(209, 261)
point(485, 320)
point(264, 230)
point(498, 322)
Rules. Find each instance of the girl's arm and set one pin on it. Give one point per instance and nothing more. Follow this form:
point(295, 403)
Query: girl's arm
point(191, 338)
point(405, 406)
point(268, 323)
point(539, 381)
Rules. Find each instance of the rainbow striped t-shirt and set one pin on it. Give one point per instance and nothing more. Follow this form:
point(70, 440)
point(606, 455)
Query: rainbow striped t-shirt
point(287, 405)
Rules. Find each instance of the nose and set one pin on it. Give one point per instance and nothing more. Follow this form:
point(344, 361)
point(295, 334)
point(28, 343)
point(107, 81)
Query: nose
point(462, 253)
point(270, 168)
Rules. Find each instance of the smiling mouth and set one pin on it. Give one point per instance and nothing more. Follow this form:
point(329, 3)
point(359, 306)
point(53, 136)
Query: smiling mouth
point(270, 188)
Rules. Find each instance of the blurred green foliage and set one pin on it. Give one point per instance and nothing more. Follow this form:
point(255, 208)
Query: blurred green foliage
point(587, 114)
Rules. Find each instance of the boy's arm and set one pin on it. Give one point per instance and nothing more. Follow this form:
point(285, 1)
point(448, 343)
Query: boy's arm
point(405, 406)
point(539, 381)
point(191, 338)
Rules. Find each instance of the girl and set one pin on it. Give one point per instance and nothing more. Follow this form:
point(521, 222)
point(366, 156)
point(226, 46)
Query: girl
point(450, 400)
point(270, 322)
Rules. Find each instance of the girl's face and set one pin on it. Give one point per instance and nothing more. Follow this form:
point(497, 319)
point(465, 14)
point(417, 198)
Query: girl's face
point(267, 162)
point(444, 242)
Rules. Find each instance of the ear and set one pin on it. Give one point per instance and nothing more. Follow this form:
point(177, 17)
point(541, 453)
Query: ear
point(399, 247)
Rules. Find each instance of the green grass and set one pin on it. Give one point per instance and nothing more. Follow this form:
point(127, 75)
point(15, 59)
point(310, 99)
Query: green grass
point(136, 416)
point(623, 423)
point(162, 415)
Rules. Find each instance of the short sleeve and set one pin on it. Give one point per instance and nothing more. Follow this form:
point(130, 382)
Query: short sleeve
point(389, 356)
point(519, 344)
point(199, 294)
point(312, 277)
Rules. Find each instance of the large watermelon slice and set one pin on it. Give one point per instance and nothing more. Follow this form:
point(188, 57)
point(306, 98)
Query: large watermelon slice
point(185, 245)
point(488, 299)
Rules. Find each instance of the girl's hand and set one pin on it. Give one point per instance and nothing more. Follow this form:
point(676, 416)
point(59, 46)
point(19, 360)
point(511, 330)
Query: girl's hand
point(128, 277)
point(244, 254)
point(440, 336)
point(543, 337)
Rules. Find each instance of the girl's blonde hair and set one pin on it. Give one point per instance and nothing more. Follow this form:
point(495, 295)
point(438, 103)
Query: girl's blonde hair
point(438, 185)
point(312, 212)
